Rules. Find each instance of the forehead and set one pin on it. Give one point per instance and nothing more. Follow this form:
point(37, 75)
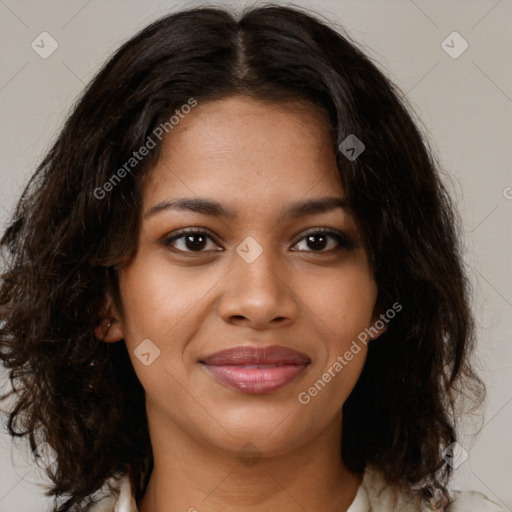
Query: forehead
point(245, 147)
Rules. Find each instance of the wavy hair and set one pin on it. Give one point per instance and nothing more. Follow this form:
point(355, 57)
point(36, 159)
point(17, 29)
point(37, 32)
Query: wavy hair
point(63, 246)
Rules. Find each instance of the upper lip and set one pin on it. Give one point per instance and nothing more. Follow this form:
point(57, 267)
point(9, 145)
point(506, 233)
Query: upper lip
point(254, 355)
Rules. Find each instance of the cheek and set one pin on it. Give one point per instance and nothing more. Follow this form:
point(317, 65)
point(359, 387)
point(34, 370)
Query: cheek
point(158, 299)
point(341, 306)
point(162, 304)
point(344, 302)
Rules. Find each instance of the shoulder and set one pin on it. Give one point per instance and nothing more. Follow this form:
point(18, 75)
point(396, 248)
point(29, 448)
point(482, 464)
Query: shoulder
point(471, 501)
point(376, 495)
point(115, 496)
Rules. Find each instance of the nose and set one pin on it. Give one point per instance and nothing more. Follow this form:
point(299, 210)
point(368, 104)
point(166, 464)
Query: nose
point(259, 294)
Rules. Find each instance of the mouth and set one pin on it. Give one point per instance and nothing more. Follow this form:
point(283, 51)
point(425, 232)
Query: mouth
point(256, 370)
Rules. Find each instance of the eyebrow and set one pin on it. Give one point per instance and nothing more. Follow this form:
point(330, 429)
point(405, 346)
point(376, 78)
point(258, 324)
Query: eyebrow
point(216, 209)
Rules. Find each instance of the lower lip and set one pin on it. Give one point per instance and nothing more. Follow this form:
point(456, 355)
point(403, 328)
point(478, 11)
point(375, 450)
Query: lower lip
point(256, 380)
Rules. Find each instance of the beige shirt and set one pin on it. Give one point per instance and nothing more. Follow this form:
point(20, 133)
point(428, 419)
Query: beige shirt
point(373, 495)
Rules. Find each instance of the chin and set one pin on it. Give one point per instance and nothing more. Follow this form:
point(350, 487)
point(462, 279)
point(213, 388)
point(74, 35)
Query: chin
point(273, 432)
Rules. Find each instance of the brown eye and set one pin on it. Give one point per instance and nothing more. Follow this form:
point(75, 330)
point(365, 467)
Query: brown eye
point(188, 241)
point(325, 240)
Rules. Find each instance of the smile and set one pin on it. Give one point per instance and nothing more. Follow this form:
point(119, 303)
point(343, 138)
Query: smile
point(256, 370)
point(255, 380)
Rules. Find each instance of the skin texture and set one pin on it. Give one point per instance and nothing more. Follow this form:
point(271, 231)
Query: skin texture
point(255, 158)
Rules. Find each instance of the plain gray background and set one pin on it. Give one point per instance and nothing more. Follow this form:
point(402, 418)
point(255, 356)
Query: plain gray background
point(465, 105)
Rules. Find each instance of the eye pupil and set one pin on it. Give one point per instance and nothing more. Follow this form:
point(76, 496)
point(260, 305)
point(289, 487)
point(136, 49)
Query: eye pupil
point(189, 241)
point(313, 241)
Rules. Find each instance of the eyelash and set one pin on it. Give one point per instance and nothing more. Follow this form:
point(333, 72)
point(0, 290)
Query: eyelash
point(343, 240)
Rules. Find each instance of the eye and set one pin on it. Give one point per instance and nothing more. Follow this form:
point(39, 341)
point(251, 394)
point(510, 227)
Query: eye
point(189, 240)
point(192, 240)
point(321, 238)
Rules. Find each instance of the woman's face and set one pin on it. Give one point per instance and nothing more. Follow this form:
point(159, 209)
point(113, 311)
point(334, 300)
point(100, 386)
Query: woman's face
point(262, 276)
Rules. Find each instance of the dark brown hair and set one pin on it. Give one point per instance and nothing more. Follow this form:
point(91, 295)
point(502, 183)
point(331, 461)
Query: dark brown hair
point(64, 244)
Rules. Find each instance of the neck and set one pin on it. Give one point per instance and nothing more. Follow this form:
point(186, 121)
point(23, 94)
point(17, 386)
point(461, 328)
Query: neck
point(191, 476)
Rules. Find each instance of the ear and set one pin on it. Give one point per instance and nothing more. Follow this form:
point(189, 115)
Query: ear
point(379, 324)
point(109, 328)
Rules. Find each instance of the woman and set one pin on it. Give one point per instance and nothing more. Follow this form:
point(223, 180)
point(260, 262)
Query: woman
point(234, 283)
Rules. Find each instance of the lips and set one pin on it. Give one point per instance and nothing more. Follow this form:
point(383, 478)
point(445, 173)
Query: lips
point(254, 369)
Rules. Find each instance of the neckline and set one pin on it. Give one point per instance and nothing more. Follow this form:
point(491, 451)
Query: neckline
point(125, 501)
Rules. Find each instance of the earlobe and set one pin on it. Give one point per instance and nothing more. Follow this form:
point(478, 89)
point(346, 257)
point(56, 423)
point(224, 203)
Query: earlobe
point(379, 326)
point(376, 331)
point(109, 329)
